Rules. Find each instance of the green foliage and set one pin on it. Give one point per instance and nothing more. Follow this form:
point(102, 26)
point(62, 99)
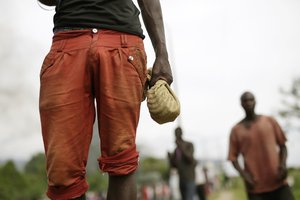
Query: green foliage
point(35, 176)
point(291, 104)
point(238, 188)
point(32, 182)
point(238, 192)
point(295, 173)
point(37, 165)
point(151, 169)
point(152, 164)
point(97, 181)
point(12, 183)
point(237, 183)
point(29, 185)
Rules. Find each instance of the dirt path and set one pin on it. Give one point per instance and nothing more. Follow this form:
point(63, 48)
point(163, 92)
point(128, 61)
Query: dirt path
point(225, 195)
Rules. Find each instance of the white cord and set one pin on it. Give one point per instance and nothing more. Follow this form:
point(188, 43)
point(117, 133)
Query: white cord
point(44, 7)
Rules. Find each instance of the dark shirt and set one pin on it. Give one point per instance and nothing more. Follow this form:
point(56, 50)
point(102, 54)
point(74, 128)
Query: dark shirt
point(118, 15)
point(185, 166)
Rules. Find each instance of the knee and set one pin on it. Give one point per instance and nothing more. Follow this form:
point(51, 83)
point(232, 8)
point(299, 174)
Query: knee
point(122, 163)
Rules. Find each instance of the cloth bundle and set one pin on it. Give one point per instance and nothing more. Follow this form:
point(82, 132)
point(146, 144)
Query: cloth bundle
point(162, 103)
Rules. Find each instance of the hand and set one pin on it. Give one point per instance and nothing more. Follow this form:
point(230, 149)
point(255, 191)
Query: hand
point(179, 143)
point(169, 155)
point(282, 172)
point(161, 70)
point(248, 180)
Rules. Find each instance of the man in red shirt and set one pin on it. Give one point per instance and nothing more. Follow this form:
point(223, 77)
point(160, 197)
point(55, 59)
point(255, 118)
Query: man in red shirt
point(261, 142)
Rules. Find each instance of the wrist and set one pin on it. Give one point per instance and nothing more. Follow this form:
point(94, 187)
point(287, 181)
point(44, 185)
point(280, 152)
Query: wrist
point(161, 51)
point(282, 163)
point(243, 173)
point(282, 166)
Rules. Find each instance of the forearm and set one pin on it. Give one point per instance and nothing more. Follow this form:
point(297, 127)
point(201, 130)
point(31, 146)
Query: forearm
point(282, 170)
point(172, 161)
point(188, 153)
point(237, 166)
point(153, 20)
point(283, 155)
point(250, 182)
point(48, 2)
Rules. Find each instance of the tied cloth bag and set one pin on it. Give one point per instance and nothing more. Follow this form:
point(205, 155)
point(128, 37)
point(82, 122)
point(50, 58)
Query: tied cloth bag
point(162, 103)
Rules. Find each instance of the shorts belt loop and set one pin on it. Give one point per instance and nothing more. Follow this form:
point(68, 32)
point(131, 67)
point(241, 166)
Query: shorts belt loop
point(124, 41)
point(95, 34)
point(61, 45)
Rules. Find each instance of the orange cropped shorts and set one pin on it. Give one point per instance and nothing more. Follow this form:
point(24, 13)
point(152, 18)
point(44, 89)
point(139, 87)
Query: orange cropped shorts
point(85, 68)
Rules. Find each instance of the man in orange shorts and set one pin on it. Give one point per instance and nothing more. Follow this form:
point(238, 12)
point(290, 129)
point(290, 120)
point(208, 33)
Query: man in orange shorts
point(98, 54)
point(257, 138)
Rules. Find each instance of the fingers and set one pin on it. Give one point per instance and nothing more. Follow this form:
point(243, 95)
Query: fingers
point(282, 174)
point(155, 77)
point(161, 71)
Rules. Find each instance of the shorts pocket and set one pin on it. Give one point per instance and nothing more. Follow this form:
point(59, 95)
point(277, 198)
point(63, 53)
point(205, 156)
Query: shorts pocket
point(49, 61)
point(138, 61)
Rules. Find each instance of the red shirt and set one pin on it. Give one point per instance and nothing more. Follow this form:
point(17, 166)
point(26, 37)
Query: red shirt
point(258, 145)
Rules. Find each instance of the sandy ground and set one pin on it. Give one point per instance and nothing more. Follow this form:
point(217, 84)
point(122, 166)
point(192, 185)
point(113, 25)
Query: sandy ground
point(225, 195)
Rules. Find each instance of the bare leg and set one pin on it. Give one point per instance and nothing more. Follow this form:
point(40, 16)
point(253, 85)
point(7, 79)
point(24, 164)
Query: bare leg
point(122, 187)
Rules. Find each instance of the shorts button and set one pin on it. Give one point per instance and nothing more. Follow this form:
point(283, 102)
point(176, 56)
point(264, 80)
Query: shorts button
point(94, 30)
point(130, 58)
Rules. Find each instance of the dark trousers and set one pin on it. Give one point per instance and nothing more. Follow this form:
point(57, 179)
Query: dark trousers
point(200, 189)
point(187, 190)
point(282, 193)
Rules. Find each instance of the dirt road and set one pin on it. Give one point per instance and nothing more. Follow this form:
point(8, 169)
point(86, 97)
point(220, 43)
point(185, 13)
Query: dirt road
point(225, 195)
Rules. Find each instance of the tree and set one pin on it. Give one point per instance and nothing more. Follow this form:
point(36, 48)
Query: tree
point(151, 168)
point(36, 165)
point(98, 182)
point(12, 183)
point(35, 176)
point(291, 104)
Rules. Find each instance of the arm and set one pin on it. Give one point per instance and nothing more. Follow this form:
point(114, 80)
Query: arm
point(172, 159)
point(282, 162)
point(187, 151)
point(153, 20)
point(246, 176)
point(281, 139)
point(48, 2)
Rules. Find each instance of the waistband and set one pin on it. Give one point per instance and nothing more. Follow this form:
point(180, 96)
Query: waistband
point(62, 29)
point(91, 37)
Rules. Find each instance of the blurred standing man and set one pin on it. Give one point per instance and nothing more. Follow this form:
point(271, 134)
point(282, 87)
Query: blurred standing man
point(261, 142)
point(97, 53)
point(183, 160)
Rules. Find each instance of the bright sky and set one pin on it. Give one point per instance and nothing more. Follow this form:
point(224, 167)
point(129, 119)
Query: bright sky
point(218, 49)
